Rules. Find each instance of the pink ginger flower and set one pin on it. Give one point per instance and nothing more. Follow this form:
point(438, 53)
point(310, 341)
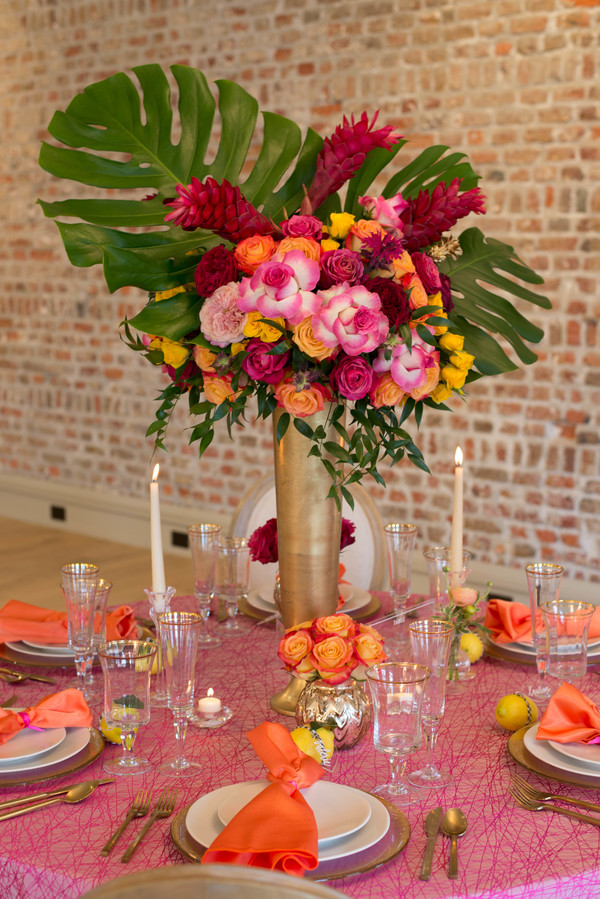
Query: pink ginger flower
point(282, 288)
point(428, 216)
point(350, 317)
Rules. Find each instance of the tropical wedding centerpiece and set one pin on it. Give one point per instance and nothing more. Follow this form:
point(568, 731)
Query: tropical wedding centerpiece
point(296, 275)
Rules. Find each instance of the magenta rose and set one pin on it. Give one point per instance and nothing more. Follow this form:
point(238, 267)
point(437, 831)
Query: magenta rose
point(339, 266)
point(446, 293)
point(347, 537)
point(427, 271)
point(263, 543)
point(282, 288)
point(394, 302)
point(216, 268)
point(303, 226)
point(352, 376)
point(262, 365)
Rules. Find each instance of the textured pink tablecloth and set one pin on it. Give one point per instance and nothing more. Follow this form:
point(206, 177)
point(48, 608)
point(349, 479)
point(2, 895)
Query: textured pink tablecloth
point(507, 851)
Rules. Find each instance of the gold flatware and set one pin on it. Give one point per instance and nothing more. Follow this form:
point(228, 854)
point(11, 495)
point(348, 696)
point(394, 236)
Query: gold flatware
point(15, 677)
point(538, 806)
point(75, 794)
point(432, 826)
point(163, 808)
point(6, 704)
point(25, 800)
point(454, 825)
point(539, 796)
point(139, 808)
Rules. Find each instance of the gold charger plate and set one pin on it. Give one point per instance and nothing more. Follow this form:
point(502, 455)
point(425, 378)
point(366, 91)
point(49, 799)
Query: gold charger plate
point(387, 848)
point(81, 760)
point(17, 658)
point(521, 754)
point(251, 612)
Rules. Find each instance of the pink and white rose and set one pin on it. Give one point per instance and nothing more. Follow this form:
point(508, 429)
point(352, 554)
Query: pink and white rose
point(408, 367)
point(350, 317)
point(282, 288)
point(221, 319)
point(386, 212)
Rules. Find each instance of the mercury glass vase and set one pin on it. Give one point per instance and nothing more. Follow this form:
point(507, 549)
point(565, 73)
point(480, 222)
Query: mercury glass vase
point(344, 708)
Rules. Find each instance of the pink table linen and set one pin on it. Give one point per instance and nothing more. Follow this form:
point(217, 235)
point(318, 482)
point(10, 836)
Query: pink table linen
point(506, 852)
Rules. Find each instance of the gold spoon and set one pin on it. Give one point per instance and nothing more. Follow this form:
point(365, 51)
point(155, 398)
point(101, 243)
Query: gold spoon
point(75, 794)
point(454, 824)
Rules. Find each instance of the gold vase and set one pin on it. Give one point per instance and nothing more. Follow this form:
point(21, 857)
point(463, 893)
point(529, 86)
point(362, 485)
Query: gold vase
point(308, 525)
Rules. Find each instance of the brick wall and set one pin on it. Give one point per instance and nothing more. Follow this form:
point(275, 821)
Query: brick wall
point(513, 83)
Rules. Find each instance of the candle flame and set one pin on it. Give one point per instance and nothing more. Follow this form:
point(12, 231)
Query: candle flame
point(458, 456)
point(155, 472)
point(210, 692)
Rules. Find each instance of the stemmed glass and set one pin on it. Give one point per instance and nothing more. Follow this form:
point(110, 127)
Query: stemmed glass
point(543, 582)
point(160, 602)
point(126, 665)
point(233, 570)
point(179, 641)
point(431, 639)
point(203, 542)
point(79, 583)
point(397, 690)
point(98, 627)
point(400, 540)
point(437, 559)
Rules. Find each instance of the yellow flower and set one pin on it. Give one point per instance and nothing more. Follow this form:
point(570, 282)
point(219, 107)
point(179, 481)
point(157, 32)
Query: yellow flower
point(174, 353)
point(311, 248)
point(341, 222)
point(165, 294)
point(441, 393)
point(305, 339)
point(454, 377)
point(329, 244)
point(462, 360)
point(255, 327)
point(451, 342)
point(237, 348)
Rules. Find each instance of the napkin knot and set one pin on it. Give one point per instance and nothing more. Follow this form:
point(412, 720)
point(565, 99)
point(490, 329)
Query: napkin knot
point(27, 721)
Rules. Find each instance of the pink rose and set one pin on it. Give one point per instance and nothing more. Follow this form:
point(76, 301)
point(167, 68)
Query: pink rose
point(427, 271)
point(386, 212)
point(408, 367)
point(341, 266)
point(464, 596)
point(221, 319)
point(350, 317)
point(352, 376)
point(262, 365)
point(303, 226)
point(263, 543)
point(282, 288)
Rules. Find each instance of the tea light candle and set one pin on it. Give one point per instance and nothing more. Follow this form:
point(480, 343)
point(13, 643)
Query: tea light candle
point(158, 562)
point(456, 547)
point(209, 705)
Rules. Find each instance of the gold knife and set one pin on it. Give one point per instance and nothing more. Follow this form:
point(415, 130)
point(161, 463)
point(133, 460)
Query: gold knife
point(15, 803)
point(432, 826)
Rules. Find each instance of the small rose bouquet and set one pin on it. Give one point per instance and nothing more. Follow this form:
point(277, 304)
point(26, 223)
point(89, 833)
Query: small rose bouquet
point(264, 547)
point(332, 648)
point(463, 605)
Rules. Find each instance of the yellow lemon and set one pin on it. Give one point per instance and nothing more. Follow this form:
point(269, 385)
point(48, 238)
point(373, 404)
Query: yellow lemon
point(111, 733)
point(318, 744)
point(515, 711)
point(472, 645)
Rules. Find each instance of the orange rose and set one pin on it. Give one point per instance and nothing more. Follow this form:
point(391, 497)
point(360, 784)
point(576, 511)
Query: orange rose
point(217, 390)
point(305, 339)
point(334, 659)
point(464, 596)
point(301, 402)
point(386, 392)
point(402, 265)
point(295, 647)
point(359, 230)
point(369, 649)
point(418, 295)
point(204, 359)
point(253, 251)
point(342, 625)
point(306, 245)
point(432, 377)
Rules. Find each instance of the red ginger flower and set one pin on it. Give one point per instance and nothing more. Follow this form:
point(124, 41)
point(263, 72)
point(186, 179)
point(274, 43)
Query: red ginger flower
point(216, 207)
point(343, 154)
point(429, 215)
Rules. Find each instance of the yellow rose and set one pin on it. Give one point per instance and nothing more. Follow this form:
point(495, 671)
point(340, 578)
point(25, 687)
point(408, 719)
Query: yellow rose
point(329, 244)
point(441, 393)
point(387, 392)
point(311, 248)
point(431, 381)
point(305, 340)
point(453, 376)
point(253, 251)
point(165, 294)
point(462, 360)
point(236, 348)
point(204, 358)
point(217, 390)
point(256, 327)
point(341, 222)
point(452, 343)
point(174, 354)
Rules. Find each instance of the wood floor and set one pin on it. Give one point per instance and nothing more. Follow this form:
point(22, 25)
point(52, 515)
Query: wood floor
point(31, 557)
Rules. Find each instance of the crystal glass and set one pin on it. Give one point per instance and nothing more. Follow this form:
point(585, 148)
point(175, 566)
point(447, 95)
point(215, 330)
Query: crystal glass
point(179, 641)
point(431, 639)
point(233, 569)
point(543, 582)
point(567, 624)
point(203, 541)
point(400, 542)
point(159, 604)
point(79, 583)
point(98, 631)
point(437, 559)
point(397, 690)
point(126, 665)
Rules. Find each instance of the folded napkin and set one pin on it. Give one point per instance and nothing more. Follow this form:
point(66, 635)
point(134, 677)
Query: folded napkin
point(65, 709)
point(510, 622)
point(22, 621)
point(277, 828)
point(571, 717)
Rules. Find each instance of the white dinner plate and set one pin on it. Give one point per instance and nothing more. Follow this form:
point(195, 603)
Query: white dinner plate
point(358, 599)
point(522, 651)
point(28, 743)
point(65, 655)
point(48, 648)
point(76, 739)
point(203, 825)
point(338, 810)
point(593, 646)
point(542, 750)
point(346, 590)
point(580, 752)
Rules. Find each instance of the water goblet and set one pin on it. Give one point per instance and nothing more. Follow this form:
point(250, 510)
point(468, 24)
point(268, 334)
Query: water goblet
point(126, 665)
point(160, 602)
point(400, 541)
point(567, 624)
point(233, 569)
point(79, 583)
point(202, 539)
point(431, 639)
point(543, 583)
point(179, 640)
point(397, 690)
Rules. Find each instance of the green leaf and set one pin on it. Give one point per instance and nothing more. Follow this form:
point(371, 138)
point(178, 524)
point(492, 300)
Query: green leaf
point(303, 427)
point(282, 425)
point(172, 318)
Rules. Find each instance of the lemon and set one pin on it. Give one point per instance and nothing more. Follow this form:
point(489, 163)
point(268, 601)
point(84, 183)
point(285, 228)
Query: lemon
point(318, 744)
point(111, 733)
point(515, 711)
point(472, 645)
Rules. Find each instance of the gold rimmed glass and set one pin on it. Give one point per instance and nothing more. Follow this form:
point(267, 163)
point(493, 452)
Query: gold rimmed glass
point(178, 633)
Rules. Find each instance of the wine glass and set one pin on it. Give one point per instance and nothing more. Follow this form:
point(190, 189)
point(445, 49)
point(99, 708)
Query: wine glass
point(126, 665)
point(400, 540)
point(179, 641)
point(202, 539)
point(79, 583)
point(233, 570)
point(397, 690)
point(543, 582)
point(431, 639)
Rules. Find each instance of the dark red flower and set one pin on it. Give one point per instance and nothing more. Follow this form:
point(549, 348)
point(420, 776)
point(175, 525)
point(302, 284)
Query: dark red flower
point(216, 268)
point(263, 543)
point(394, 302)
point(181, 375)
point(446, 293)
point(427, 271)
point(339, 266)
point(347, 537)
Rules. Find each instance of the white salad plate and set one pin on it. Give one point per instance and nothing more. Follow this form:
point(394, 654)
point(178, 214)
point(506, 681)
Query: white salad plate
point(76, 739)
point(593, 646)
point(50, 649)
point(203, 824)
point(357, 599)
point(579, 752)
point(28, 743)
point(63, 654)
point(338, 810)
point(542, 750)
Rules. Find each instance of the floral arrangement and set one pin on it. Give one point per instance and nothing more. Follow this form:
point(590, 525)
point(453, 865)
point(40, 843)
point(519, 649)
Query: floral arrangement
point(332, 648)
point(460, 612)
point(264, 547)
point(265, 284)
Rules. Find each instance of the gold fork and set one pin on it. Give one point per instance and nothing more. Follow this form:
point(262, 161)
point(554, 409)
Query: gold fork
point(539, 806)
point(162, 809)
point(539, 796)
point(139, 808)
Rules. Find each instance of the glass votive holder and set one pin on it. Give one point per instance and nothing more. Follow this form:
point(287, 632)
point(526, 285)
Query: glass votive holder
point(209, 712)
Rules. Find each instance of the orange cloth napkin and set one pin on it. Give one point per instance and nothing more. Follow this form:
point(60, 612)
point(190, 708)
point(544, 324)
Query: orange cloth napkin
point(65, 709)
point(510, 622)
point(277, 828)
point(571, 717)
point(22, 621)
